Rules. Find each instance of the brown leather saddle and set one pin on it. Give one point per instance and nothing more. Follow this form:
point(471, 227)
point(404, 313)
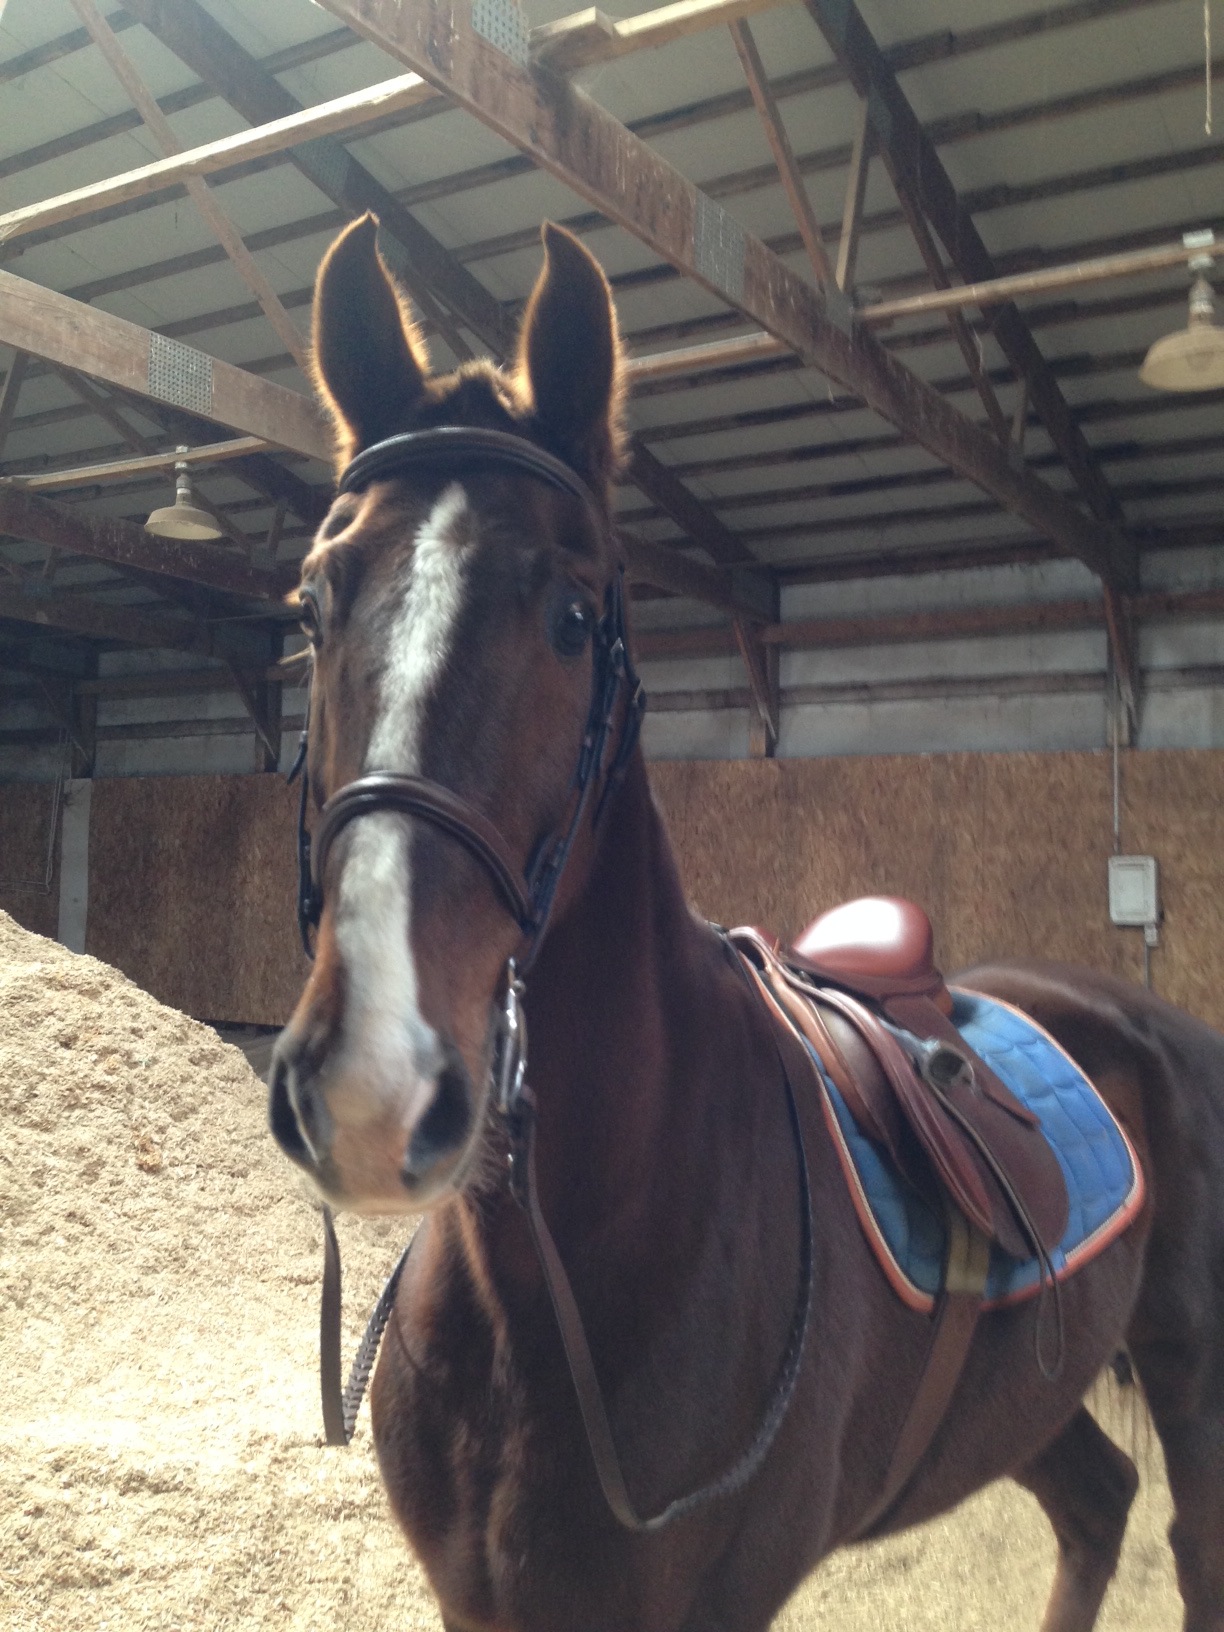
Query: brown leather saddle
point(860, 987)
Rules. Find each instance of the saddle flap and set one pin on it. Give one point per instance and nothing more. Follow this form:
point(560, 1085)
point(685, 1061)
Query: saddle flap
point(986, 1148)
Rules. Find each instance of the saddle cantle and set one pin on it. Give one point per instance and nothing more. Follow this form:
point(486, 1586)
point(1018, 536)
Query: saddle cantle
point(859, 976)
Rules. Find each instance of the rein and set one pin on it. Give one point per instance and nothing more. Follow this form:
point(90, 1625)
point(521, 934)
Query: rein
point(527, 895)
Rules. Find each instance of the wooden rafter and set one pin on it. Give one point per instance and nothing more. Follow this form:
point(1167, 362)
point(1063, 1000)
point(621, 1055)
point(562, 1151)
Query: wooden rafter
point(940, 46)
point(573, 138)
point(198, 190)
point(80, 616)
point(784, 157)
point(966, 341)
point(952, 623)
point(67, 332)
point(28, 515)
point(856, 191)
point(117, 470)
point(926, 189)
point(10, 392)
point(341, 114)
point(438, 280)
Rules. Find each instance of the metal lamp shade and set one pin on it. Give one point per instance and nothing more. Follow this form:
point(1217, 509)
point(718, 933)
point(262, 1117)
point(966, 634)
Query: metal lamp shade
point(183, 518)
point(1192, 359)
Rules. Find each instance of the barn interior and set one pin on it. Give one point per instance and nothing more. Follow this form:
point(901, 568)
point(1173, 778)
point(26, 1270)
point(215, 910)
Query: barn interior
point(926, 576)
point(924, 530)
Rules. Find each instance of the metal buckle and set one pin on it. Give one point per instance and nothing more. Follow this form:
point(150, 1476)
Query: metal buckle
point(511, 1064)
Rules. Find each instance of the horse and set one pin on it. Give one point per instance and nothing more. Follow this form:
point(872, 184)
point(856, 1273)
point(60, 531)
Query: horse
point(490, 855)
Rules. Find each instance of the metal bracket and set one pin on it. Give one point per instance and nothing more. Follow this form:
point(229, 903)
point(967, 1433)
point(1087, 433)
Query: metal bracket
point(180, 374)
point(504, 25)
point(719, 247)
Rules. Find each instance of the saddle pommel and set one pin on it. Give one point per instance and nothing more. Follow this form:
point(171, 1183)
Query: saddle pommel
point(880, 945)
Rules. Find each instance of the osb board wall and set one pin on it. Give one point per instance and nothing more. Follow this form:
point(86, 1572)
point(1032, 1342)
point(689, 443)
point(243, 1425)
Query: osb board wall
point(192, 885)
point(192, 879)
point(1008, 852)
point(25, 812)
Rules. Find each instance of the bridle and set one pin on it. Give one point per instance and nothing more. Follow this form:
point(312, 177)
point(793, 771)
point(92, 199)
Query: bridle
point(527, 893)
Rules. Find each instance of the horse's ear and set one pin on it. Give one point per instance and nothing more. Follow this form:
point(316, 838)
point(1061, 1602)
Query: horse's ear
point(569, 356)
point(370, 365)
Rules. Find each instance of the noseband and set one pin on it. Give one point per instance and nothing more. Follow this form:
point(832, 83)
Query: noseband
point(527, 893)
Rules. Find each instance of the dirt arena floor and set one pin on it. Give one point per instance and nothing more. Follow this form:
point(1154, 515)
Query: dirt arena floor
point(161, 1463)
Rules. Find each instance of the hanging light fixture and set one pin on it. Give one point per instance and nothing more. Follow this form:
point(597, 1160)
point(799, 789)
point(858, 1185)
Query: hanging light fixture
point(183, 518)
point(1193, 358)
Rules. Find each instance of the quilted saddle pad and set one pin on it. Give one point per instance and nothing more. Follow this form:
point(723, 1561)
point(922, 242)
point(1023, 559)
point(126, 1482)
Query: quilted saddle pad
point(1104, 1180)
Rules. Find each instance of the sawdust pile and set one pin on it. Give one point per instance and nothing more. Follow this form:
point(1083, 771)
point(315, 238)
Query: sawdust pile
point(161, 1463)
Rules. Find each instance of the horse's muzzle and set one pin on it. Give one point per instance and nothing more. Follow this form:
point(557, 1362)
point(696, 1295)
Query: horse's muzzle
point(365, 1155)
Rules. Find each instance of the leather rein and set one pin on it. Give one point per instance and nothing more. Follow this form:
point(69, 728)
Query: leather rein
point(527, 895)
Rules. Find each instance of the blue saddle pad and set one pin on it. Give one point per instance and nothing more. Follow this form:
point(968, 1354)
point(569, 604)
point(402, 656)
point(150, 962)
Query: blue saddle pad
point(1104, 1180)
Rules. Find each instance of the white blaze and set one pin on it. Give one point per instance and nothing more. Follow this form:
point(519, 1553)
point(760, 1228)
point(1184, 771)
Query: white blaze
point(387, 1045)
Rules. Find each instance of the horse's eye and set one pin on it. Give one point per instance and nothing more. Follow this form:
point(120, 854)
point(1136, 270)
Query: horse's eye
point(571, 627)
point(308, 613)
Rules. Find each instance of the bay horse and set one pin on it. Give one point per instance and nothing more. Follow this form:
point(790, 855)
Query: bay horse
point(462, 600)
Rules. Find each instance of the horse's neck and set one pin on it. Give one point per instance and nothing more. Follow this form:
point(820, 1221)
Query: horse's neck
point(632, 1004)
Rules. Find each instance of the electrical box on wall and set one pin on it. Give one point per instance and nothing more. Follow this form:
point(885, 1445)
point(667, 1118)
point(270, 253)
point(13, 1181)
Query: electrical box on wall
point(1134, 897)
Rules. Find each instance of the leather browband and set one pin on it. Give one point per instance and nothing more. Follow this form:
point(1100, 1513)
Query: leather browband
point(414, 796)
point(463, 444)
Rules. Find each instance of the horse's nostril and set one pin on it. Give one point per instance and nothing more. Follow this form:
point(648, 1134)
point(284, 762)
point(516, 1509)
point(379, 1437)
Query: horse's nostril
point(448, 1121)
point(282, 1118)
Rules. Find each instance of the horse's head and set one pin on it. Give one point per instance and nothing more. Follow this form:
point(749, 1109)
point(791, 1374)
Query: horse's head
point(456, 601)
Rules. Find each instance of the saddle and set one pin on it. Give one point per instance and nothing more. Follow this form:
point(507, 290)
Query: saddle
point(860, 989)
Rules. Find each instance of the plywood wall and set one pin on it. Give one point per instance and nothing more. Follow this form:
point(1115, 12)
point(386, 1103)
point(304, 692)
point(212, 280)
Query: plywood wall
point(1008, 852)
point(192, 885)
point(192, 880)
point(25, 817)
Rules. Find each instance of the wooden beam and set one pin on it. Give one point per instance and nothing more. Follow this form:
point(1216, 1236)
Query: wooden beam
point(690, 514)
point(856, 191)
point(198, 190)
point(66, 332)
point(84, 617)
point(257, 700)
point(427, 269)
point(28, 515)
point(761, 666)
point(748, 592)
point(12, 390)
point(121, 469)
point(341, 114)
point(575, 140)
point(953, 623)
point(783, 153)
point(587, 37)
point(918, 173)
point(430, 271)
point(997, 291)
point(967, 342)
